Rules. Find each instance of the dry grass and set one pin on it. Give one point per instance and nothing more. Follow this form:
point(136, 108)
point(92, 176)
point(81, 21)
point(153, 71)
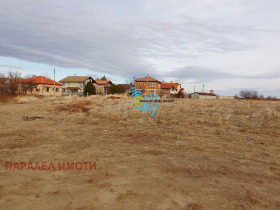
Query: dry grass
point(79, 106)
point(227, 158)
point(7, 98)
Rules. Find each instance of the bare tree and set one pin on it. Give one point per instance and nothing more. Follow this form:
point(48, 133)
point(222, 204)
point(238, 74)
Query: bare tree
point(28, 86)
point(249, 94)
point(13, 82)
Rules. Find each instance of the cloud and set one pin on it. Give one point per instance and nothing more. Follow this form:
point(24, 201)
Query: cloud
point(120, 40)
point(198, 74)
point(10, 67)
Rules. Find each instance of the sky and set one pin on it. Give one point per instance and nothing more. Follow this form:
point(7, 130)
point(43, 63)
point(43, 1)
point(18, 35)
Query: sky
point(225, 45)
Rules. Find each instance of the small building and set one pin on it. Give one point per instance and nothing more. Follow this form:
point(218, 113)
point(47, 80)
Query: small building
point(202, 95)
point(148, 85)
point(102, 86)
point(74, 85)
point(40, 85)
point(170, 89)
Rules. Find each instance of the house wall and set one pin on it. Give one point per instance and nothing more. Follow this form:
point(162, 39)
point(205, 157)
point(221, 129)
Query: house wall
point(175, 91)
point(102, 89)
point(197, 96)
point(165, 93)
point(99, 89)
point(151, 89)
point(42, 90)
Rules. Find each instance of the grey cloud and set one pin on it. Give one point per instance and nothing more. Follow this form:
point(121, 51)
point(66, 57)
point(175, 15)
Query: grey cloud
point(10, 67)
point(92, 35)
point(204, 74)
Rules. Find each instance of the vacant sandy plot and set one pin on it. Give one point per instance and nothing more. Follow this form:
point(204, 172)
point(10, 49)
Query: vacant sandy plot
point(228, 156)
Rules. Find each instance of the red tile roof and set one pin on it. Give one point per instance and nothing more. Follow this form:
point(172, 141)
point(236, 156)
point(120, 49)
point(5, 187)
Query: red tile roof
point(75, 79)
point(172, 83)
point(103, 82)
point(145, 79)
point(166, 86)
point(41, 80)
point(169, 85)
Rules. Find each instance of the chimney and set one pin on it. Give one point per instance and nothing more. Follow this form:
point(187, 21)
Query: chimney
point(212, 91)
point(162, 81)
point(171, 81)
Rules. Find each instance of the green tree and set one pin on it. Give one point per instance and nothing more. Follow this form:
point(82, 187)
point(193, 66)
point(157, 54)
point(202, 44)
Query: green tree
point(116, 89)
point(89, 89)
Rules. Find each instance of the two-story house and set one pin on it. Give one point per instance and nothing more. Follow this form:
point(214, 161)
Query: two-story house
point(74, 85)
point(148, 85)
point(170, 89)
point(102, 86)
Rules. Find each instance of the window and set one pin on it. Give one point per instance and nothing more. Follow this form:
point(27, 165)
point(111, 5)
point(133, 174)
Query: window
point(152, 84)
point(143, 83)
point(57, 90)
point(47, 89)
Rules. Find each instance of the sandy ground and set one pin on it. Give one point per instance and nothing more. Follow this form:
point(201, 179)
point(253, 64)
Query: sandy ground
point(228, 156)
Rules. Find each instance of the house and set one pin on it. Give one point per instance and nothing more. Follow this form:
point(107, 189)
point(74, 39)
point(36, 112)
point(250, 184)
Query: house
point(148, 85)
point(74, 85)
point(40, 85)
point(170, 89)
point(102, 86)
point(211, 95)
point(202, 95)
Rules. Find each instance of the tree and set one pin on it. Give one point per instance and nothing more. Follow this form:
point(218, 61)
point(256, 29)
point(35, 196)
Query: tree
point(104, 78)
point(13, 82)
point(28, 86)
point(89, 89)
point(249, 94)
point(116, 89)
point(180, 94)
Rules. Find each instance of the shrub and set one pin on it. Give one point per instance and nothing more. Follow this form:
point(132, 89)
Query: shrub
point(180, 94)
point(89, 89)
point(116, 89)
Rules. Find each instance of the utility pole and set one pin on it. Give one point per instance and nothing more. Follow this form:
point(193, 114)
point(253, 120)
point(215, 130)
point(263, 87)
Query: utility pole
point(203, 88)
point(147, 86)
point(194, 88)
point(54, 82)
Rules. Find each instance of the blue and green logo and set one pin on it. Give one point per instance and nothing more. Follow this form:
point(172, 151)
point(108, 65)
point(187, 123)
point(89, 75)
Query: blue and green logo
point(142, 103)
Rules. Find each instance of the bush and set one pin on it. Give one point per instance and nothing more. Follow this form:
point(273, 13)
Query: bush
point(89, 89)
point(180, 94)
point(116, 89)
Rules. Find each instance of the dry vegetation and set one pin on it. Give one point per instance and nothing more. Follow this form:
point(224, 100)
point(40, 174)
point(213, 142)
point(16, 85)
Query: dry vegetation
point(228, 156)
point(7, 98)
